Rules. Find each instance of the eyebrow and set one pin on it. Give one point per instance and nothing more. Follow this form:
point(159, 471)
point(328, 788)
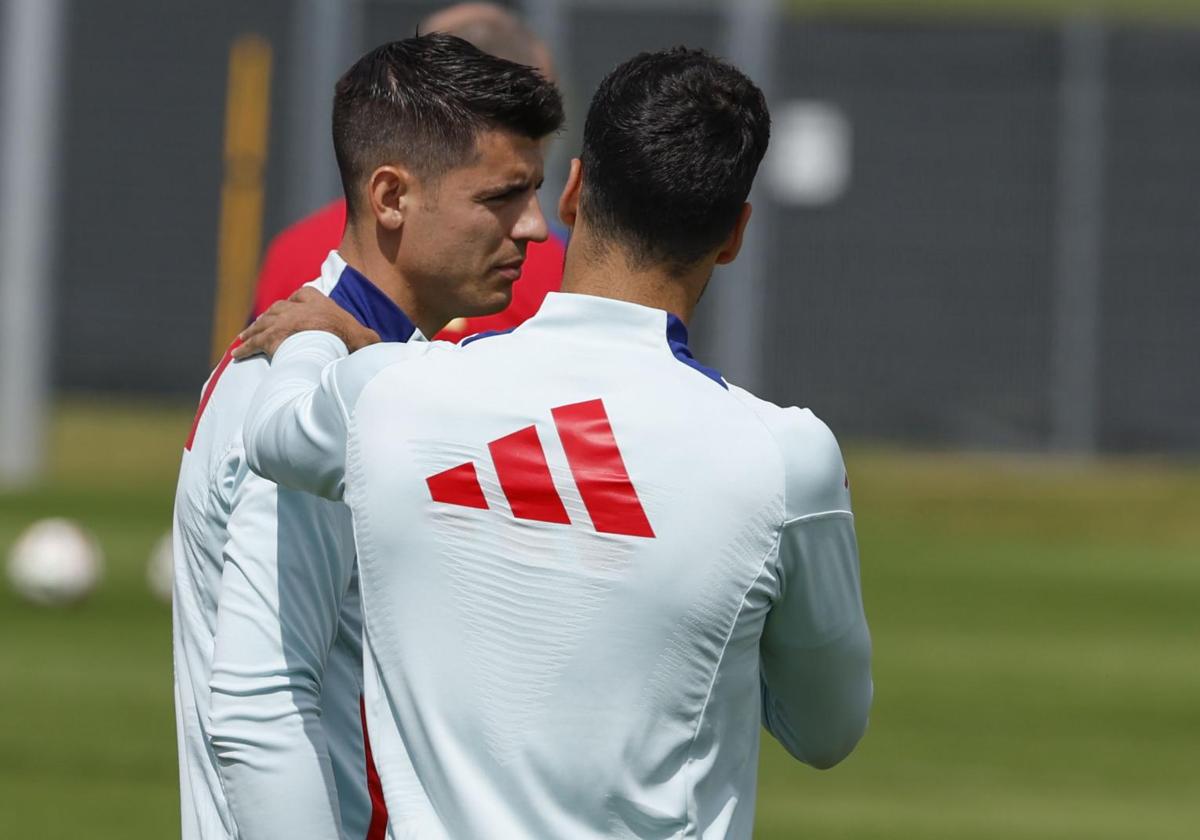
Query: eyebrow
point(513, 184)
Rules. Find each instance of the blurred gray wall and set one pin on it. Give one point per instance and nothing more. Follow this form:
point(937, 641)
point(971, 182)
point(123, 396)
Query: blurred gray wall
point(140, 192)
point(918, 305)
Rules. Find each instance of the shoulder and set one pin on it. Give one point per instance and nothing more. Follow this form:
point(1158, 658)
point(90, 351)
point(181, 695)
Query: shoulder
point(358, 370)
point(226, 396)
point(247, 373)
point(214, 451)
point(812, 461)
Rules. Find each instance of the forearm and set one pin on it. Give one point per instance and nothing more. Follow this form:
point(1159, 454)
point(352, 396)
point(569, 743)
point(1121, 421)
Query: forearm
point(265, 716)
point(816, 651)
point(816, 701)
point(273, 761)
point(287, 566)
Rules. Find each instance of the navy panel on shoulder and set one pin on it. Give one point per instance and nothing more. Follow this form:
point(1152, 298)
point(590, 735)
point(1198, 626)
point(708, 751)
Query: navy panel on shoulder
point(485, 334)
point(362, 299)
point(677, 338)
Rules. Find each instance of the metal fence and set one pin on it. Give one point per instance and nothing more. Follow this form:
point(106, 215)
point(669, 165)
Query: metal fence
point(968, 234)
point(1013, 262)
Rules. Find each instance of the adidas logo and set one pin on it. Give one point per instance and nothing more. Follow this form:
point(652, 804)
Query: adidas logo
point(520, 462)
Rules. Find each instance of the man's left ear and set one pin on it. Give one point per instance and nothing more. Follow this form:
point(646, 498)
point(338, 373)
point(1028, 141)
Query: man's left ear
point(568, 203)
point(733, 244)
point(387, 189)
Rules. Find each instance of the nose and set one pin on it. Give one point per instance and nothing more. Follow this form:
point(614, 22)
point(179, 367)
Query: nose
point(531, 224)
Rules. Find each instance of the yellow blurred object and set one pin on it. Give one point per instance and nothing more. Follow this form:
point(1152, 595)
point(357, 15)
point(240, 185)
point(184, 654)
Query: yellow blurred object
point(247, 117)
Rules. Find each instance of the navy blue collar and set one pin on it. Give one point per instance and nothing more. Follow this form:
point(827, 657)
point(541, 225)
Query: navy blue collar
point(362, 299)
point(677, 338)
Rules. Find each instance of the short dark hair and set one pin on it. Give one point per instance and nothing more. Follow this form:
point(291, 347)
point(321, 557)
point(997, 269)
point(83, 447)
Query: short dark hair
point(423, 101)
point(671, 145)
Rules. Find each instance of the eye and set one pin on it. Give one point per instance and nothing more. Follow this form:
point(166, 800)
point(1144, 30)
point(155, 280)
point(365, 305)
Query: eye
point(500, 198)
point(510, 194)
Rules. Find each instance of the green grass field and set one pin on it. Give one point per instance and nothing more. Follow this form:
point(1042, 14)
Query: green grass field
point(1036, 627)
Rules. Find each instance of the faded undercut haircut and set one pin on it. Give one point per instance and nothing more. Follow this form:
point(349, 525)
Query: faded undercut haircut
point(422, 102)
point(672, 143)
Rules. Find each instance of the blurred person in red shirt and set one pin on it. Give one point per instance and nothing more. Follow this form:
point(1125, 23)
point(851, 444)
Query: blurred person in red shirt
point(294, 256)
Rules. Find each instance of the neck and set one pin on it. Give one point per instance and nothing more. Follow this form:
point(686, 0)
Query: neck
point(606, 271)
point(367, 252)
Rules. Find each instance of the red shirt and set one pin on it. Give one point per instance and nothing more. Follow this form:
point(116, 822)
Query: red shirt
point(294, 257)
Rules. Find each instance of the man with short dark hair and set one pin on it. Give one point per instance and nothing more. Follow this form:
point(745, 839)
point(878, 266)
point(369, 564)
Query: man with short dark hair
point(586, 589)
point(440, 148)
point(295, 255)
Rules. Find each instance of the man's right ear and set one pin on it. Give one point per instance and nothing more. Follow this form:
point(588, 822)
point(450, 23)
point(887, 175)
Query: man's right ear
point(388, 190)
point(568, 203)
point(733, 243)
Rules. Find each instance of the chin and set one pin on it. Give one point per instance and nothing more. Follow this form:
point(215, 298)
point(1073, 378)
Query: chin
point(497, 301)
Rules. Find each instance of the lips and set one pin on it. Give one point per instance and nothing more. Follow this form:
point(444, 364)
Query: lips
point(510, 270)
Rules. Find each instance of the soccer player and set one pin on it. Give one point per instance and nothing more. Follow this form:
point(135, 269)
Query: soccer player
point(585, 589)
point(295, 255)
point(440, 150)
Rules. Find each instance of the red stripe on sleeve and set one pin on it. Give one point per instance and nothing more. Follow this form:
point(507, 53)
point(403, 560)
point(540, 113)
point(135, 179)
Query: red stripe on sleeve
point(208, 390)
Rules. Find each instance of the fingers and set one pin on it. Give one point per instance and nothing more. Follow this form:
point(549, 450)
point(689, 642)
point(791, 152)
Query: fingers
point(257, 338)
point(257, 326)
point(261, 336)
point(260, 343)
point(306, 309)
point(247, 340)
point(306, 294)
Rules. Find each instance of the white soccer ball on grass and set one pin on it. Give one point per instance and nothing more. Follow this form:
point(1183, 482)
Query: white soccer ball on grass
point(55, 562)
point(160, 570)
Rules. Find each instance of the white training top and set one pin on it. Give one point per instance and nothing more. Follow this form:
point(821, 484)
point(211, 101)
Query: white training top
point(267, 626)
point(591, 568)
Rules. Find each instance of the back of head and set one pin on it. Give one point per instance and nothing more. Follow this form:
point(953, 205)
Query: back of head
point(494, 29)
point(671, 145)
point(422, 102)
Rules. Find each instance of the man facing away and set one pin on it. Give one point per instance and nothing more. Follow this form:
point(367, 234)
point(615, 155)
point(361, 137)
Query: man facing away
point(294, 256)
point(584, 591)
point(439, 146)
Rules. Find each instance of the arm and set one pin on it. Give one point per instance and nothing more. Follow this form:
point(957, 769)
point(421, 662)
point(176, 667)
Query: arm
point(287, 567)
point(295, 407)
point(816, 650)
point(295, 428)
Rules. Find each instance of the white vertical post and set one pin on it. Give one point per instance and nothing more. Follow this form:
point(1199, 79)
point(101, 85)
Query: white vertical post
point(30, 107)
point(1074, 399)
point(741, 289)
point(325, 37)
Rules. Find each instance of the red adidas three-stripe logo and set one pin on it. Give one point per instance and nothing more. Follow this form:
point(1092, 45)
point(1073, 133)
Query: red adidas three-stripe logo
point(520, 461)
